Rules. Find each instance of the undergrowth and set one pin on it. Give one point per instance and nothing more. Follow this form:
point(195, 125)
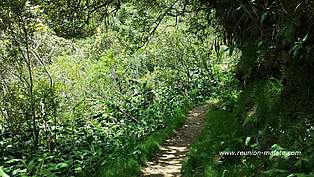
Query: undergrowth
point(219, 126)
point(130, 163)
point(258, 121)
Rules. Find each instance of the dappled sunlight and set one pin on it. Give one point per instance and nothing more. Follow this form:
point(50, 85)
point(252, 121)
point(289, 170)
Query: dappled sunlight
point(168, 161)
point(195, 114)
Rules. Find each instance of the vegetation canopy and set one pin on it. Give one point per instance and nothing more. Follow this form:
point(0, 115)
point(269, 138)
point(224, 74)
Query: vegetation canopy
point(92, 87)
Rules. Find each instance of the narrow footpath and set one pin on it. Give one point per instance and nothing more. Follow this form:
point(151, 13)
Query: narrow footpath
point(168, 161)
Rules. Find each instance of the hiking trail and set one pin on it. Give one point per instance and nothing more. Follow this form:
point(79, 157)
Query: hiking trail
point(168, 161)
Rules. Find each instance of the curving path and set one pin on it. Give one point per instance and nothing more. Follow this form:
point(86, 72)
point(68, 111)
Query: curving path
point(168, 162)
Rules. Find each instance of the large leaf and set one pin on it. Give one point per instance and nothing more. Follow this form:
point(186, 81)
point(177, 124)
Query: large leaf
point(2, 173)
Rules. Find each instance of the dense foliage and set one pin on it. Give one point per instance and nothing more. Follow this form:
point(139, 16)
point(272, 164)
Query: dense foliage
point(69, 105)
point(275, 107)
point(84, 82)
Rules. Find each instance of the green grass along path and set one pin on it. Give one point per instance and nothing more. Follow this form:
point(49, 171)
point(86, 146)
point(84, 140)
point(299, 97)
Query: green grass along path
point(168, 161)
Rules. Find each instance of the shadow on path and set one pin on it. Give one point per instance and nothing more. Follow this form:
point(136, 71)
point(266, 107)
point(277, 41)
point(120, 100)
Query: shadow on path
point(168, 161)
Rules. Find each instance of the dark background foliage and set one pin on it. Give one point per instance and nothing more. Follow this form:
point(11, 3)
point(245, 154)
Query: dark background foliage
point(84, 81)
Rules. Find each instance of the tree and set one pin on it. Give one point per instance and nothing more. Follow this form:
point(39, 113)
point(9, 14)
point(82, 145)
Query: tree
point(19, 58)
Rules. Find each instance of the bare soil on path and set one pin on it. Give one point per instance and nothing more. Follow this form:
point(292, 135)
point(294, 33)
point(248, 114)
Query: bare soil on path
point(168, 161)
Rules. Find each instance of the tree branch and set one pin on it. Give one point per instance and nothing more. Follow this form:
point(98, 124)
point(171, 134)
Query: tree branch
point(157, 22)
point(43, 65)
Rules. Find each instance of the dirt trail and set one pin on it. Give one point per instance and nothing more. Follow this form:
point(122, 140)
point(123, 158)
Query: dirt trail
point(168, 162)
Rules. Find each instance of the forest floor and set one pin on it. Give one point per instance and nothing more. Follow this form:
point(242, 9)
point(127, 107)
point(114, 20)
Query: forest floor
point(168, 161)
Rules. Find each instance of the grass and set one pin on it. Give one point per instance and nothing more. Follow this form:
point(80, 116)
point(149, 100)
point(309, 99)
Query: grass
point(203, 159)
point(129, 166)
point(223, 132)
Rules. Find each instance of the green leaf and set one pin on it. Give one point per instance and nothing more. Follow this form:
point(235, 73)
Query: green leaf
point(274, 171)
point(276, 147)
point(247, 141)
point(2, 173)
point(17, 171)
point(13, 161)
point(61, 165)
point(305, 38)
point(263, 17)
